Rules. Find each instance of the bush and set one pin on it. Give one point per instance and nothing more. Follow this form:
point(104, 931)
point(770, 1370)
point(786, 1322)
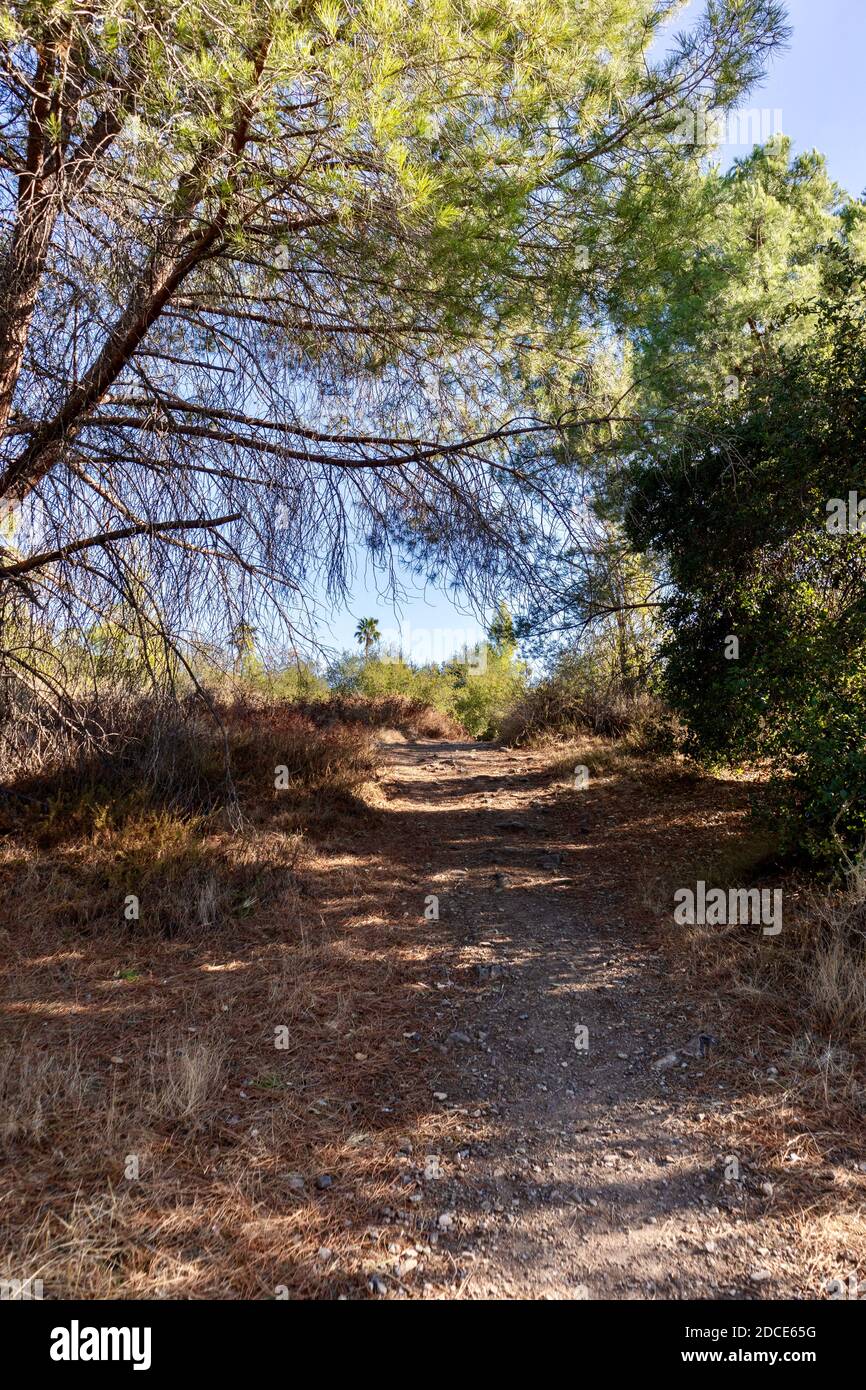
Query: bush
point(108, 759)
point(414, 718)
point(576, 698)
point(765, 615)
point(471, 696)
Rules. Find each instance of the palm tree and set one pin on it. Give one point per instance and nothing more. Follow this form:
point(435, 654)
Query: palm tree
point(367, 632)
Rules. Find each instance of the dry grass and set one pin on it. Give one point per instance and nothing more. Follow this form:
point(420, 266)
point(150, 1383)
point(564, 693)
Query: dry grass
point(36, 1090)
point(622, 763)
point(838, 980)
point(813, 976)
point(185, 1073)
point(805, 989)
point(123, 755)
point(168, 1104)
point(173, 1083)
point(831, 940)
point(412, 717)
point(556, 708)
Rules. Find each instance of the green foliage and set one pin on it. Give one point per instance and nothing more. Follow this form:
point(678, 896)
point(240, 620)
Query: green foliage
point(394, 676)
point(367, 634)
point(246, 661)
point(740, 515)
point(297, 680)
point(734, 285)
point(483, 697)
point(501, 631)
point(343, 675)
point(476, 688)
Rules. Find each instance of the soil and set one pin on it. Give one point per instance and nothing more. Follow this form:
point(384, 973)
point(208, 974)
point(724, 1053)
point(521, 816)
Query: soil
point(576, 1166)
point(476, 974)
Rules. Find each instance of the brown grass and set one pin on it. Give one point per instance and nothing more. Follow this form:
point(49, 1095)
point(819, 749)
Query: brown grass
point(240, 1037)
point(157, 1140)
point(412, 717)
point(186, 757)
point(805, 989)
point(557, 709)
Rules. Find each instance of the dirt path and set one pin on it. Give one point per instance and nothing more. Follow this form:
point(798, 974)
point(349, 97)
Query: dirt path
point(572, 1173)
point(340, 1096)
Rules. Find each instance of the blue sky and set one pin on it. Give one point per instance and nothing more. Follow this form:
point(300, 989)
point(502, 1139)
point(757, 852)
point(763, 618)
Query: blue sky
point(817, 85)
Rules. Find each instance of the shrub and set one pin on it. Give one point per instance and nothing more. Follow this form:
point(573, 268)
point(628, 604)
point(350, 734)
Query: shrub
point(765, 613)
point(111, 758)
point(471, 696)
point(576, 698)
point(414, 718)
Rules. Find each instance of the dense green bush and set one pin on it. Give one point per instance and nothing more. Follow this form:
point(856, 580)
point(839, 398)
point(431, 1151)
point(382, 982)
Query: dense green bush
point(475, 689)
point(766, 648)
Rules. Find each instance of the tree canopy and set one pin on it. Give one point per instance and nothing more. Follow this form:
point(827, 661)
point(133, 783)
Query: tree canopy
point(748, 500)
point(278, 277)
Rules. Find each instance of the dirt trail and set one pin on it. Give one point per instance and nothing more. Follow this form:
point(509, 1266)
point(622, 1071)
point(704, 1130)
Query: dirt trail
point(574, 1173)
